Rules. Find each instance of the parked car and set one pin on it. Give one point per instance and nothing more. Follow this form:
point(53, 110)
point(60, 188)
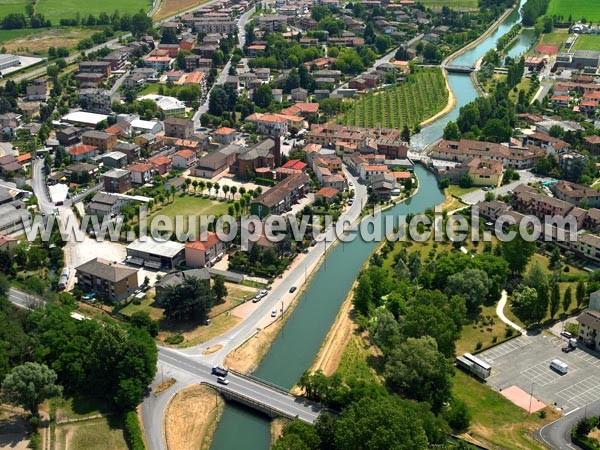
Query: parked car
point(223, 380)
point(568, 349)
point(274, 313)
point(256, 299)
point(566, 334)
point(263, 293)
point(293, 289)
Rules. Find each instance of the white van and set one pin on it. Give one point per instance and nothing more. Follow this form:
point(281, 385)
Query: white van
point(559, 366)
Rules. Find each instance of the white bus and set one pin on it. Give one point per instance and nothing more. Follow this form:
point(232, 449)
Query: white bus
point(474, 365)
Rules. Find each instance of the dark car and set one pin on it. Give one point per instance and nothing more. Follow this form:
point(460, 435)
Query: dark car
point(220, 371)
point(293, 289)
point(568, 349)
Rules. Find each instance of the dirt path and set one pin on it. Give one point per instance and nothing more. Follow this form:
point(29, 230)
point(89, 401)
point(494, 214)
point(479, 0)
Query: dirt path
point(191, 418)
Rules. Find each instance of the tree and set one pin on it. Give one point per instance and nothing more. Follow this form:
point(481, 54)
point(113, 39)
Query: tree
point(385, 330)
point(191, 300)
point(263, 96)
point(416, 369)
point(298, 435)
point(554, 300)
point(536, 276)
point(142, 320)
point(219, 288)
point(529, 304)
point(472, 284)
point(406, 133)
point(451, 131)
point(517, 253)
point(580, 294)
point(567, 299)
point(30, 384)
point(363, 295)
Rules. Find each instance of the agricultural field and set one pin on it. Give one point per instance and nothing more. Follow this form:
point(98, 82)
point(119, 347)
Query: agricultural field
point(587, 42)
point(575, 9)
point(38, 41)
point(408, 103)
point(171, 7)
point(59, 9)
point(12, 6)
point(454, 4)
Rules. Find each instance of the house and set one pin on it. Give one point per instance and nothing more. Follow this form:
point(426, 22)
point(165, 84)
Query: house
point(154, 254)
point(67, 136)
point(131, 150)
point(158, 63)
point(82, 152)
point(281, 197)
point(576, 194)
point(267, 124)
point(175, 279)
point(224, 135)
point(110, 280)
point(141, 173)
point(179, 128)
point(552, 145)
point(480, 172)
point(302, 109)
point(103, 204)
point(101, 67)
point(145, 126)
point(117, 180)
point(204, 252)
point(592, 143)
point(162, 164)
point(589, 327)
point(37, 89)
point(383, 185)
point(9, 165)
point(271, 22)
point(367, 171)
point(7, 243)
point(103, 141)
point(183, 159)
point(299, 94)
point(326, 194)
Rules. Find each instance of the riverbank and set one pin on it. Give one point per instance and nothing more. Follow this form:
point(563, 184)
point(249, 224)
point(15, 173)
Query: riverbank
point(191, 418)
point(480, 39)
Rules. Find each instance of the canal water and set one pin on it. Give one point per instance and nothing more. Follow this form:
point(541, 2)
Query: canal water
point(295, 348)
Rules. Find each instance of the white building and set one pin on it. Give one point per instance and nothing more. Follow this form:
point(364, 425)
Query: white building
point(170, 106)
point(146, 126)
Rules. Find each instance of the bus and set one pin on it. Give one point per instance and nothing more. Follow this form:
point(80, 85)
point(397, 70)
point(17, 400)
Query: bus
point(474, 365)
point(64, 279)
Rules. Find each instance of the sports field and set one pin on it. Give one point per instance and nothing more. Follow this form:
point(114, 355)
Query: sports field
point(575, 8)
point(12, 6)
point(59, 9)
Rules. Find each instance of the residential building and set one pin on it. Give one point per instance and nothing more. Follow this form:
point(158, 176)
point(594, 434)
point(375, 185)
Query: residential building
point(114, 159)
point(37, 89)
point(175, 279)
point(204, 252)
point(68, 136)
point(589, 328)
point(103, 141)
point(281, 197)
point(170, 106)
point(82, 152)
point(576, 194)
point(327, 194)
point(103, 204)
point(162, 164)
point(131, 150)
point(110, 280)
point(183, 159)
point(101, 67)
point(179, 128)
point(97, 100)
point(117, 180)
point(224, 135)
point(141, 173)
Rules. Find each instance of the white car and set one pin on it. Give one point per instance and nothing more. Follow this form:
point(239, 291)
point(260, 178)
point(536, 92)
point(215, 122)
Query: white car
point(223, 380)
point(274, 313)
point(263, 293)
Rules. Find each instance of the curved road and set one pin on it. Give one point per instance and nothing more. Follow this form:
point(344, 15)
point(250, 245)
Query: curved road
point(557, 435)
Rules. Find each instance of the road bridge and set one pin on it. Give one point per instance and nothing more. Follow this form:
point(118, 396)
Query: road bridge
point(459, 69)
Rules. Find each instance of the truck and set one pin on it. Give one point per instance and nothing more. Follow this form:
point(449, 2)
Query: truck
point(64, 279)
point(220, 371)
point(474, 365)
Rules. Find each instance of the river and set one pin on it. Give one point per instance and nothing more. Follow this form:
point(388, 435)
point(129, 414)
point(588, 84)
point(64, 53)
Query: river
point(295, 348)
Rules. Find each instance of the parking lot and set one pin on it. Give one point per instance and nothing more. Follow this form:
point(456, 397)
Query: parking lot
point(525, 362)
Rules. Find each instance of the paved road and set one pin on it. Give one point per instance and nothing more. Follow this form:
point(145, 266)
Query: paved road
point(542, 91)
point(242, 21)
point(24, 300)
point(557, 435)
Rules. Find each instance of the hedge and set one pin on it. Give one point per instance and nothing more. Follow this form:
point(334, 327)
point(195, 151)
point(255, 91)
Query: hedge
point(133, 431)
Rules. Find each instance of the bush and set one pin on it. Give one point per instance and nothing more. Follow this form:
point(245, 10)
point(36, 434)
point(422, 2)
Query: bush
point(174, 340)
point(478, 346)
point(133, 432)
point(509, 332)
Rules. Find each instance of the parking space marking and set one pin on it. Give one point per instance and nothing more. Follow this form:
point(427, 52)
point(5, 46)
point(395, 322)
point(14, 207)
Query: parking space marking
point(588, 358)
point(541, 374)
point(504, 349)
point(582, 393)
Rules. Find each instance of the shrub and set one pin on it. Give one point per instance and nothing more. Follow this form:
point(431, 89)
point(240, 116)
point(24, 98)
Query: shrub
point(509, 332)
point(478, 346)
point(133, 431)
point(174, 340)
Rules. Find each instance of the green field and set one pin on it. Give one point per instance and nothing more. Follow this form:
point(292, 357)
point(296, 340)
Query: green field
point(587, 42)
point(12, 6)
point(408, 103)
point(189, 205)
point(7, 35)
point(454, 4)
point(58, 9)
point(575, 8)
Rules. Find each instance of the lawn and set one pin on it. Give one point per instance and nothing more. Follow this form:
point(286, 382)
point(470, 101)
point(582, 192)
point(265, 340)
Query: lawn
point(577, 9)
point(555, 38)
point(194, 335)
point(79, 407)
point(454, 4)
point(488, 331)
point(96, 434)
point(496, 422)
point(189, 205)
point(354, 363)
point(587, 42)
point(58, 9)
point(407, 103)
point(12, 6)
point(457, 191)
point(151, 88)
point(145, 305)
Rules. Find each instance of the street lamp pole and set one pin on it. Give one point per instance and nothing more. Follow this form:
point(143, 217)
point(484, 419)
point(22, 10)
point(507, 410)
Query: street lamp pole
point(530, 398)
